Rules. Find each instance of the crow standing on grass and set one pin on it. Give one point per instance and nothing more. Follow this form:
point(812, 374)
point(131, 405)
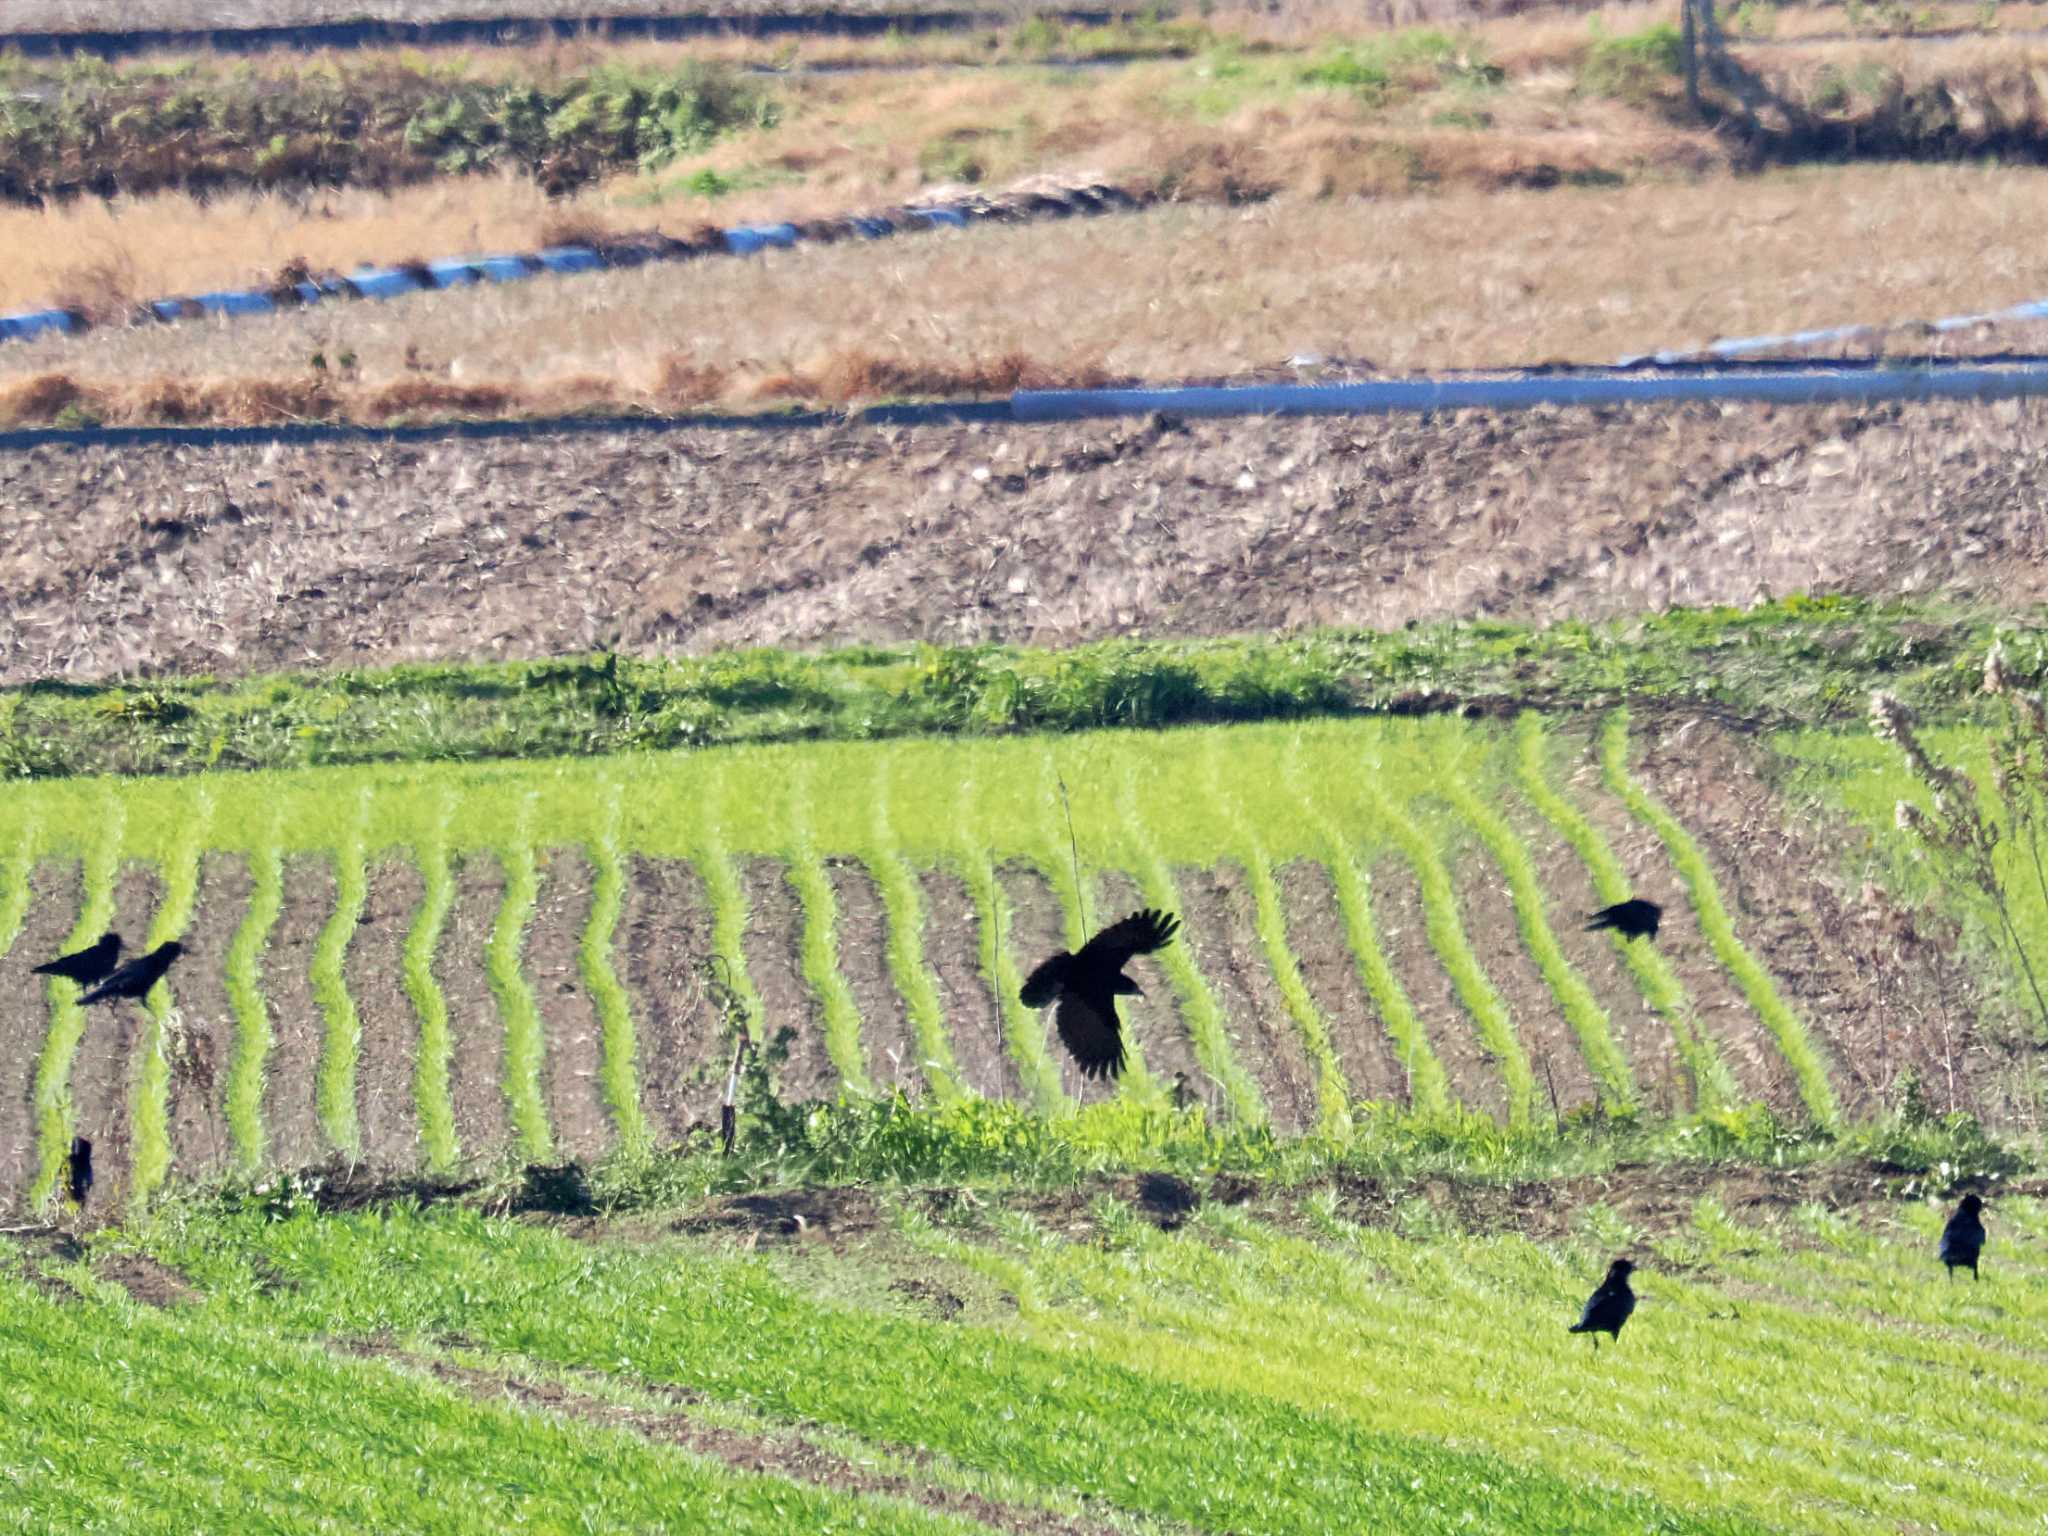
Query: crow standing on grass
point(1087, 984)
point(1963, 1238)
point(1632, 919)
point(86, 966)
point(1608, 1307)
point(136, 977)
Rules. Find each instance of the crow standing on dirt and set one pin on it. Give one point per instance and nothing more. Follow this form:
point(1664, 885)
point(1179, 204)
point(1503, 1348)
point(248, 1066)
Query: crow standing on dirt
point(1608, 1307)
point(136, 977)
point(1087, 984)
point(79, 1181)
point(1632, 919)
point(1963, 1238)
point(85, 966)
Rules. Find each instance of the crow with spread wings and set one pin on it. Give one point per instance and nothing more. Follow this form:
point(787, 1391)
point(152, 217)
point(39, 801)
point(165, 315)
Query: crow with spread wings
point(1087, 983)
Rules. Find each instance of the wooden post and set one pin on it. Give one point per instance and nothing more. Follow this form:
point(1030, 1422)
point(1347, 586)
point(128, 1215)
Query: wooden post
point(1689, 48)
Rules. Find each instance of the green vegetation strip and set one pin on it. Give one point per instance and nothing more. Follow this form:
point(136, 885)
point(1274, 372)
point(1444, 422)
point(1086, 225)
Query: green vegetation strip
point(253, 1034)
point(1209, 1455)
point(431, 1090)
point(1581, 1009)
point(1798, 662)
point(150, 1156)
point(16, 891)
point(818, 952)
point(67, 1019)
point(601, 978)
point(336, 1088)
point(903, 911)
point(1755, 982)
point(159, 1422)
point(1712, 1084)
point(525, 1036)
point(1429, 1090)
point(1333, 1094)
point(1446, 930)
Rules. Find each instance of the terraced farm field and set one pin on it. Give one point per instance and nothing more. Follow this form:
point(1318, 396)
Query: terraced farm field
point(444, 967)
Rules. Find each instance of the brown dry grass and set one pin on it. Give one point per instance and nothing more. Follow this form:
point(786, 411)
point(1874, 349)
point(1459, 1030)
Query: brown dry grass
point(1450, 280)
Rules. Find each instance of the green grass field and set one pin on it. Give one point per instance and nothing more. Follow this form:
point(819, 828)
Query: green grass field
point(1276, 1367)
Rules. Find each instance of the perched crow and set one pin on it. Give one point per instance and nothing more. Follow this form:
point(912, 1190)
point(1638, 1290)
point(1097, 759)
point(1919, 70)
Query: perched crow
point(80, 1183)
point(1963, 1238)
point(86, 966)
point(136, 977)
point(1608, 1308)
point(1087, 984)
point(1632, 919)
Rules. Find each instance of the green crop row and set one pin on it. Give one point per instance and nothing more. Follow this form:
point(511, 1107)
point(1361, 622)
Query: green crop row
point(1785, 1026)
point(1347, 797)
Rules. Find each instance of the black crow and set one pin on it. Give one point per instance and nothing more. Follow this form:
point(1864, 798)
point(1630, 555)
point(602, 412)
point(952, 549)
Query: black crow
point(1087, 984)
point(85, 966)
point(80, 1182)
point(136, 977)
point(1963, 1238)
point(1632, 919)
point(1608, 1308)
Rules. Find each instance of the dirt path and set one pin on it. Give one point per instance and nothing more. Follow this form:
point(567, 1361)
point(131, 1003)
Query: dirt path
point(1488, 909)
point(291, 1092)
point(571, 1084)
point(203, 1049)
point(665, 929)
point(1315, 932)
point(107, 1069)
point(476, 1070)
point(54, 895)
point(951, 947)
point(894, 1060)
point(374, 969)
point(792, 1012)
point(1475, 1080)
point(1223, 934)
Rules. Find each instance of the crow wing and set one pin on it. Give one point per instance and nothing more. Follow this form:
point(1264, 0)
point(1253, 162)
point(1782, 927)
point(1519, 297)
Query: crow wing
point(1043, 984)
point(136, 977)
point(1139, 934)
point(1087, 1022)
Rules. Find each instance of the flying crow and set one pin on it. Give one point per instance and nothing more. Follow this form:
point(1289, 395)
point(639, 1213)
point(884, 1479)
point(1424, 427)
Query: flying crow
point(1608, 1308)
point(85, 966)
point(1632, 919)
point(136, 977)
point(1963, 1238)
point(80, 1181)
point(1087, 984)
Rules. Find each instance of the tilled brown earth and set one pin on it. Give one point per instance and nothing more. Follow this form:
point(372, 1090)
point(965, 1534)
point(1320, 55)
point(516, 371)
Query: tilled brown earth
point(364, 553)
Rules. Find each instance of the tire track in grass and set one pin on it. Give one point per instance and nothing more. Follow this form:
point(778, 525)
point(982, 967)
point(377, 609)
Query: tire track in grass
point(1198, 1005)
point(1581, 1009)
point(904, 914)
point(344, 1027)
point(18, 1044)
point(601, 980)
point(15, 892)
point(67, 1019)
point(1445, 926)
point(431, 1089)
point(151, 1114)
point(253, 1034)
point(1428, 1089)
point(818, 947)
point(1785, 1026)
point(1712, 1084)
point(1333, 1094)
point(525, 1039)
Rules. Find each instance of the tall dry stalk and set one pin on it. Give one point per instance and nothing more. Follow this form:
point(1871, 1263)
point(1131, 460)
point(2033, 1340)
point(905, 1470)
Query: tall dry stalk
point(1962, 831)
